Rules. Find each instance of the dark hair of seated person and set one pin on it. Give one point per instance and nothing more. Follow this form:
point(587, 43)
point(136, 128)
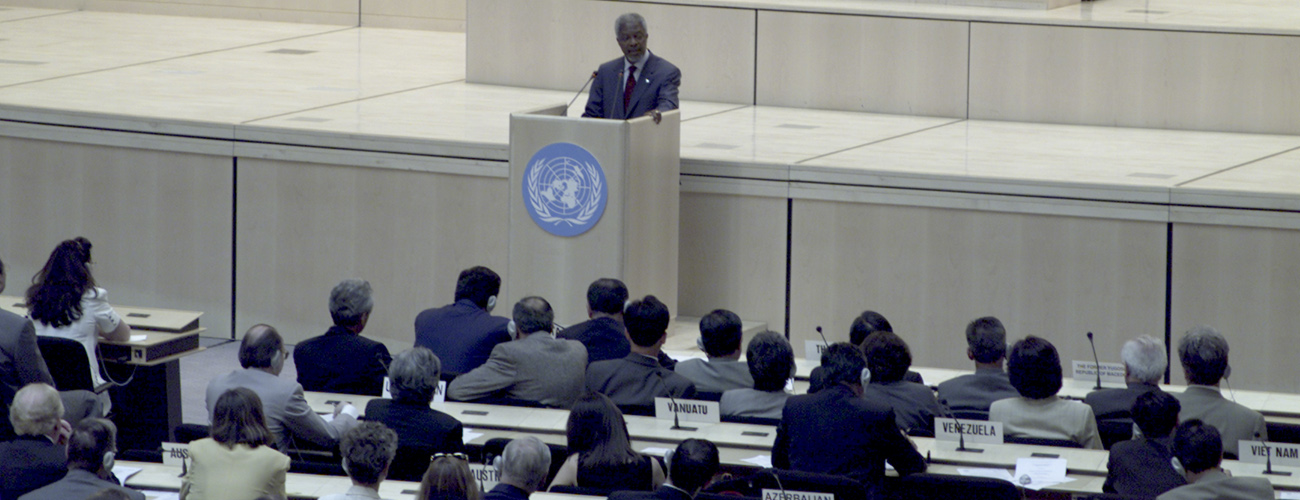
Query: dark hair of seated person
point(237, 418)
point(1156, 413)
point(770, 359)
point(448, 478)
point(607, 295)
point(694, 463)
point(842, 363)
point(887, 356)
point(646, 321)
point(867, 323)
point(1034, 368)
point(478, 284)
point(1197, 445)
point(597, 432)
point(55, 295)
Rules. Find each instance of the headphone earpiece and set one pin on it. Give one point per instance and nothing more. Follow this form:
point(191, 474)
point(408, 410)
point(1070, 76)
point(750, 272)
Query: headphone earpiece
point(496, 463)
point(492, 302)
point(512, 329)
point(109, 458)
point(865, 377)
point(1227, 371)
point(1178, 466)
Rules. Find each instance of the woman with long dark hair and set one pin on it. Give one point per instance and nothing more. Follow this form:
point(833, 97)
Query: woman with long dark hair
point(237, 462)
point(449, 478)
point(601, 455)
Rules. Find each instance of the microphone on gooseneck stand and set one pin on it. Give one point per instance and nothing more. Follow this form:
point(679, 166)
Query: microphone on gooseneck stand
point(961, 439)
point(575, 96)
point(677, 423)
point(823, 336)
point(1096, 364)
point(1268, 460)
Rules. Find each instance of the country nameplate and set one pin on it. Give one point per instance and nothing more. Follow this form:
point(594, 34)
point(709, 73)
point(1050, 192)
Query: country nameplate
point(975, 431)
point(688, 410)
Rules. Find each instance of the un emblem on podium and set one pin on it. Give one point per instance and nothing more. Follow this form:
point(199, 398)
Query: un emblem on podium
point(564, 189)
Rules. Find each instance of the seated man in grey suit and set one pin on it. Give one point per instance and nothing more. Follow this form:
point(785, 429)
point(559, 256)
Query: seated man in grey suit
point(91, 451)
point(288, 416)
point(770, 360)
point(38, 456)
point(1198, 452)
point(1140, 467)
point(986, 345)
point(914, 405)
point(637, 84)
point(1204, 353)
point(1144, 366)
point(720, 336)
point(534, 367)
point(634, 381)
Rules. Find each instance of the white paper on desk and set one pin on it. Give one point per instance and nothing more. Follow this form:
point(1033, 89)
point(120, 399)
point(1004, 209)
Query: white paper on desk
point(1048, 484)
point(469, 435)
point(161, 495)
point(1036, 473)
point(989, 473)
point(659, 452)
point(122, 472)
point(1289, 494)
point(764, 461)
point(139, 338)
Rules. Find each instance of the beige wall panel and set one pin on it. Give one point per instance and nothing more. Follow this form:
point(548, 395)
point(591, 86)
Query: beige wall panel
point(1135, 78)
point(304, 227)
point(931, 271)
point(1245, 282)
point(437, 15)
point(160, 221)
point(556, 44)
point(340, 12)
point(859, 63)
point(733, 257)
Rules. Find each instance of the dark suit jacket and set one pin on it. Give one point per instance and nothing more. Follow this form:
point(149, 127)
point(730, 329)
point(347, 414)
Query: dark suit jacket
point(656, 89)
point(603, 338)
point(632, 381)
point(1141, 467)
point(503, 491)
point(976, 391)
point(1117, 403)
point(78, 484)
point(836, 432)
point(28, 463)
point(817, 379)
point(342, 362)
point(20, 364)
point(421, 431)
point(914, 405)
point(461, 334)
point(665, 492)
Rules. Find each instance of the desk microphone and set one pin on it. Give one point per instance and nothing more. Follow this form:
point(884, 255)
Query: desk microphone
point(1268, 460)
point(677, 423)
point(1096, 364)
point(961, 440)
point(575, 96)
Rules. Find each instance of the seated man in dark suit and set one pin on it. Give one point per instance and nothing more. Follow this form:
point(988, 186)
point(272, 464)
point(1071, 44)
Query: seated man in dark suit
point(1204, 354)
point(603, 334)
point(36, 457)
point(1198, 451)
point(1140, 467)
point(986, 345)
point(421, 430)
point(91, 449)
point(1144, 367)
point(914, 405)
point(463, 334)
point(637, 84)
point(836, 431)
point(863, 326)
point(342, 360)
point(690, 468)
point(634, 381)
point(721, 333)
point(524, 465)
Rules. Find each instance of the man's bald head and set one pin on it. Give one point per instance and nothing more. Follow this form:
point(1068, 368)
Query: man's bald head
point(36, 410)
point(262, 347)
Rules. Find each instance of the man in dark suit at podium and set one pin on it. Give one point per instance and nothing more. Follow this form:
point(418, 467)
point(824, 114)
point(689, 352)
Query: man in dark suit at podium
point(637, 84)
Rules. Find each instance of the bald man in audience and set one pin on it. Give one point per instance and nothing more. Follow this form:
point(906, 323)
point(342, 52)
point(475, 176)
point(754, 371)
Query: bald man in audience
point(1144, 367)
point(36, 457)
point(288, 416)
point(1204, 354)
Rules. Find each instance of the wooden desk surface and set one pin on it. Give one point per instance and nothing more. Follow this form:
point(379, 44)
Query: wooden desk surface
point(142, 318)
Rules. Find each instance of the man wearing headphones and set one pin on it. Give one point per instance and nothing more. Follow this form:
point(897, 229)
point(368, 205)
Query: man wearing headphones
point(1204, 354)
point(463, 334)
point(288, 416)
point(91, 451)
point(1198, 452)
point(836, 431)
point(690, 468)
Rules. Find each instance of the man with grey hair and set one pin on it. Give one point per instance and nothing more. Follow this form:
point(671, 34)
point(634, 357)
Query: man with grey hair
point(342, 361)
point(1204, 354)
point(1144, 367)
point(367, 450)
point(637, 84)
point(421, 430)
point(523, 465)
point(37, 457)
point(986, 345)
point(534, 368)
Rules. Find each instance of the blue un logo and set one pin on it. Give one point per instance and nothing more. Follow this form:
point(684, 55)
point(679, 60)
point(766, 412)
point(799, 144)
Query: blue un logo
point(564, 189)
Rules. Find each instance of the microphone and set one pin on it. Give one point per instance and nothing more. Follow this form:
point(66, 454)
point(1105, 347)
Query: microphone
point(961, 440)
point(1096, 365)
point(823, 336)
point(575, 96)
point(677, 423)
point(1268, 460)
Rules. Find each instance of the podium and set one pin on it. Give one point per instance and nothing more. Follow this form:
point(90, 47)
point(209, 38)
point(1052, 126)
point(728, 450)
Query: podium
point(634, 237)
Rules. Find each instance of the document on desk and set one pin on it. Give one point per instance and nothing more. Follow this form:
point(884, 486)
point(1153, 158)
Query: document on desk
point(987, 472)
point(1289, 494)
point(161, 495)
point(468, 435)
point(139, 338)
point(1039, 473)
point(123, 472)
point(764, 461)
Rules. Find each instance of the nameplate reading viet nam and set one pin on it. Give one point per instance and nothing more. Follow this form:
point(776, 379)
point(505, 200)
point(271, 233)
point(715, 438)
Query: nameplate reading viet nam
point(795, 495)
point(175, 454)
point(1111, 373)
point(1257, 452)
point(812, 351)
point(688, 410)
point(975, 431)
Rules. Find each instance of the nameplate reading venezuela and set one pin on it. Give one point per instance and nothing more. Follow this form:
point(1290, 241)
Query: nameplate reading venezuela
point(975, 431)
point(688, 410)
point(795, 495)
point(1257, 452)
point(175, 454)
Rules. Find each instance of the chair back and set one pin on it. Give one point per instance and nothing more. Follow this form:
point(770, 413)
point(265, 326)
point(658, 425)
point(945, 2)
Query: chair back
point(843, 488)
point(1282, 432)
point(185, 433)
point(927, 486)
point(1114, 430)
point(970, 414)
point(68, 363)
point(579, 490)
point(1060, 443)
point(751, 420)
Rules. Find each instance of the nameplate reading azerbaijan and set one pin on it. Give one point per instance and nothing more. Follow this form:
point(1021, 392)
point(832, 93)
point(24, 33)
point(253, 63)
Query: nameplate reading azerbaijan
point(795, 495)
point(1257, 452)
point(975, 431)
point(688, 410)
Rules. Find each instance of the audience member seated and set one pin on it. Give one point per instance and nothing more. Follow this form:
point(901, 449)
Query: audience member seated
point(1204, 353)
point(603, 335)
point(91, 451)
point(342, 361)
point(770, 361)
point(638, 378)
point(1035, 371)
point(863, 326)
point(524, 465)
point(1198, 452)
point(288, 416)
point(837, 431)
point(1144, 367)
point(535, 367)
point(237, 462)
point(65, 302)
point(986, 345)
point(449, 478)
point(720, 337)
point(915, 406)
point(368, 449)
point(421, 430)
point(600, 453)
point(690, 468)
point(1140, 467)
point(463, 334)
point(37, 457)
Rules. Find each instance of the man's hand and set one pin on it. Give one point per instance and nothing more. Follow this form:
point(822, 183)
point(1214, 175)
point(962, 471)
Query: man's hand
point(62, 432)
point(654, 113)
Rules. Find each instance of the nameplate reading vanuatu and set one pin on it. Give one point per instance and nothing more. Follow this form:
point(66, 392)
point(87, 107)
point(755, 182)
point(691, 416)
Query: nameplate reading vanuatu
point(688, 410)
point(1257, 452)
point(975, 431)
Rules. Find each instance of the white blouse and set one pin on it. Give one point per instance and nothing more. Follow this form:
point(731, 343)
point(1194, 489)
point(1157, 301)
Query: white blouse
point(97, 318)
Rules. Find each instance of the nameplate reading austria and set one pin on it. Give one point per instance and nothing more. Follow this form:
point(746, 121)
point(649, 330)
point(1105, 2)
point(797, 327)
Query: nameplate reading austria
point(564, 189)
